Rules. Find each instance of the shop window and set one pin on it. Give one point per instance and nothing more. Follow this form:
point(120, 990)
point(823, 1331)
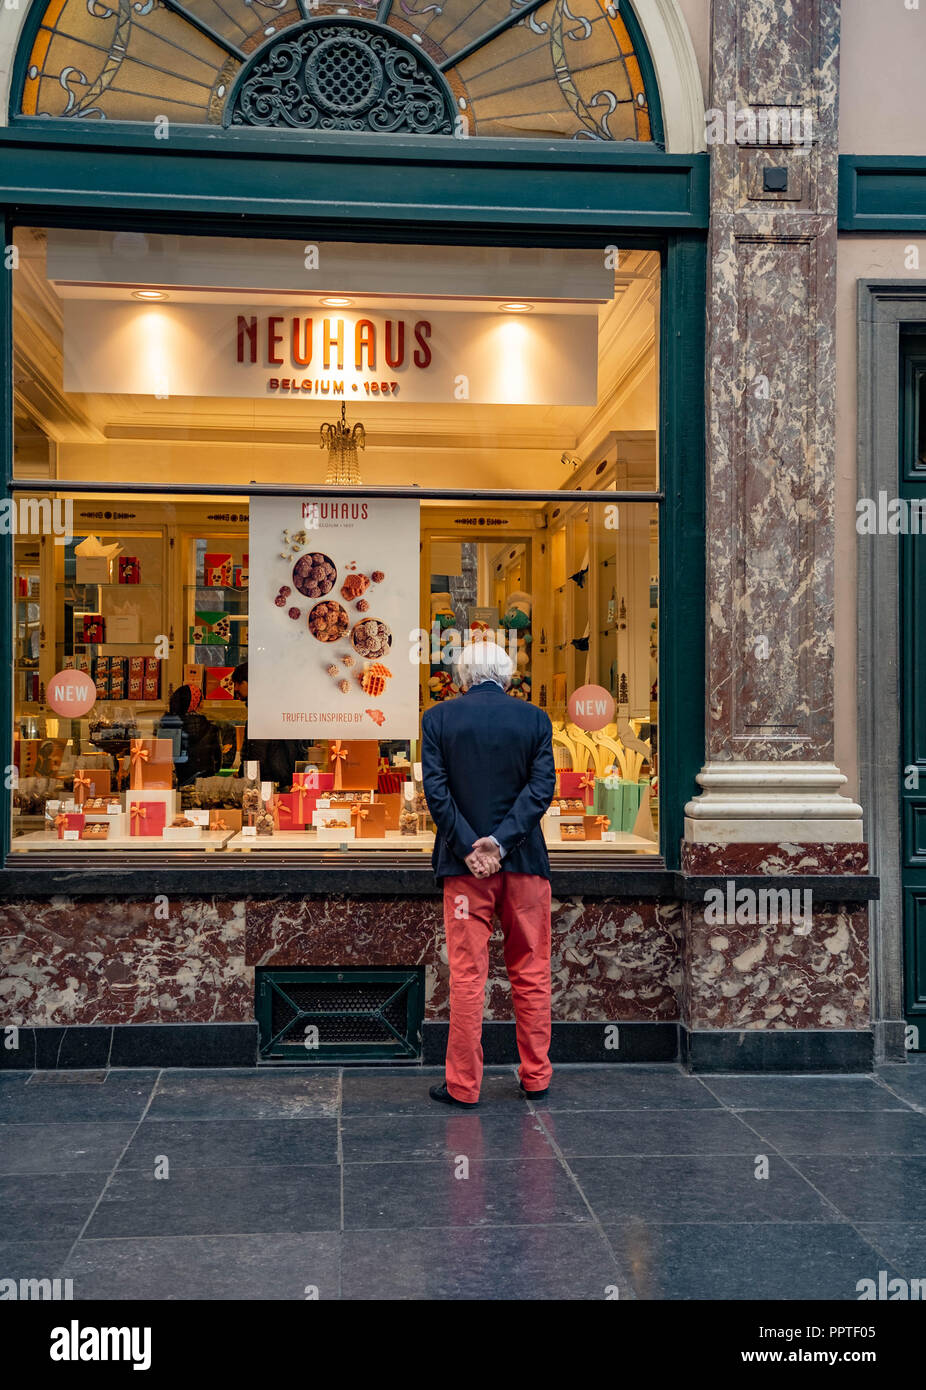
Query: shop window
point(553, 70)
point(214, 672)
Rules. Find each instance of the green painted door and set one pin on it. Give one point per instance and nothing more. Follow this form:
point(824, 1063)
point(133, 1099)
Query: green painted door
point(913, 680)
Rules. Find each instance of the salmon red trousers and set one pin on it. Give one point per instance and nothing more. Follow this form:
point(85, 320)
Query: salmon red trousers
point(522, 902)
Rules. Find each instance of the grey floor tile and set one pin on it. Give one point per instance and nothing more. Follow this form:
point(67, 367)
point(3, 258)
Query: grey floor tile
point(33, 1259)
point(498, 1263)
point(255, 1267)
point(121, 1096)
point(881, 1187)
point(772, 1260)
point(192, 1095)
point(232, 1144)
point(500, 1192)
point(649, 1132)
point(907, 1079)
point(493, 1133)
point(802, 1093)
point(406, 1092)
point(840, 1131)
point(67, 1148)
point(626, 1088)
point(220, 1201)
point(49, 1206)
point(722, 1188)
point(903, 1243)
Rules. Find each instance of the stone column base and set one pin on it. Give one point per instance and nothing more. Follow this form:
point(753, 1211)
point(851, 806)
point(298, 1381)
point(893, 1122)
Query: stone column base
point(766, 802)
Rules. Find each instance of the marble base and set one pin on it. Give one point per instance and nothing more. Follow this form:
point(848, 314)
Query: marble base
point(755, 801)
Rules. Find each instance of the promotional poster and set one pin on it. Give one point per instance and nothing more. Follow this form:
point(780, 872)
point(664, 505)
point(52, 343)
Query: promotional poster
point(333, 598)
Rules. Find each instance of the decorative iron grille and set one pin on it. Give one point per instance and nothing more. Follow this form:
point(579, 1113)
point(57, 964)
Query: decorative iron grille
point(340, 1015)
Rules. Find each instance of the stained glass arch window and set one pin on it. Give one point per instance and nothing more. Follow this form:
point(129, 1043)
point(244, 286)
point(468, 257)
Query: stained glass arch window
point(542, 69)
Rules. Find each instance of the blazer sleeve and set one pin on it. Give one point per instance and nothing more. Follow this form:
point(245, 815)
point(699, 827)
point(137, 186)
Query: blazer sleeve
point(534, 799)
point(450, 821)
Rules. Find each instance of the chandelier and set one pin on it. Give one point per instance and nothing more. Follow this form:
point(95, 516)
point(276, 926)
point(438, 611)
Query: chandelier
point(342, 444)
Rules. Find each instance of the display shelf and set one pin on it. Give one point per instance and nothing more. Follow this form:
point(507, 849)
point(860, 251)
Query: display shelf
point(103, 584)
point(307, 840)
point(210, 840)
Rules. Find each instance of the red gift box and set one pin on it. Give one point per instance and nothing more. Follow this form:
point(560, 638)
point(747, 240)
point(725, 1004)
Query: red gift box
point(129, 569)
point(581, 784)
point(314, 781)
point(293, 810)
point(69, 821)
point(219, 683)
point(147, 817)
point(217, 569)
point(93, 628)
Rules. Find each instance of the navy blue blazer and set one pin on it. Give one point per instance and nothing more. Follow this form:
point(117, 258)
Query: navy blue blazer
point(487, 767)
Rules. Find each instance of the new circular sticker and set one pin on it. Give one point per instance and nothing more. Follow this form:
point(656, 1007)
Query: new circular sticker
point(591, 707)
point(71, 694)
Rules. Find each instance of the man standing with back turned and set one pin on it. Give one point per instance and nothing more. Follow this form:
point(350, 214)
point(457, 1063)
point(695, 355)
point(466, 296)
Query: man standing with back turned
point(487, 766)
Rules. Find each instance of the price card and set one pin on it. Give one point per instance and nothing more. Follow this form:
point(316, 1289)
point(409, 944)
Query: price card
point(323, 803)
point(553, 811)
point(249, 832)
point(198, 817)
point(416, 771)
point(71, 835)
point(408, 791)
point(609, 836)
point(114, 810)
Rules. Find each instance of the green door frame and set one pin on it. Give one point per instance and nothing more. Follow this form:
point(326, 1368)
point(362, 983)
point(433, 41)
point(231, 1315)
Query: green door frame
point(435, 189)
point(913, 691)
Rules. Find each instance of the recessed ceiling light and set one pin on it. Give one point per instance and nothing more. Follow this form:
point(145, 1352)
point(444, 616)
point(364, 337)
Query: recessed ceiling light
point(516, 307)
point(148, 294)
point(337, 301)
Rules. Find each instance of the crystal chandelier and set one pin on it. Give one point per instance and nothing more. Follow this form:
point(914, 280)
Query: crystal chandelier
point(342, 444)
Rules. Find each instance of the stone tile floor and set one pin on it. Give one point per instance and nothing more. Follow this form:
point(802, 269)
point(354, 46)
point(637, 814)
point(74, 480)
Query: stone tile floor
point(351, 1181)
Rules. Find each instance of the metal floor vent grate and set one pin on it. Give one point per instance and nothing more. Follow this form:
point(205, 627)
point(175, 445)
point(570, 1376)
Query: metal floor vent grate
point(340, 1015)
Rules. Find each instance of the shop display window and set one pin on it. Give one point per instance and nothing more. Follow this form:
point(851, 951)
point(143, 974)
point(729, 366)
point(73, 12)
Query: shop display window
point(201, 670)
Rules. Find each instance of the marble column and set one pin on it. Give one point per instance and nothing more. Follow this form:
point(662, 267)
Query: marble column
point(770, 776)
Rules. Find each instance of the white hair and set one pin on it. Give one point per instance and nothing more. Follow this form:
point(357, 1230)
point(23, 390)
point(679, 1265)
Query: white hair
point(483, 661)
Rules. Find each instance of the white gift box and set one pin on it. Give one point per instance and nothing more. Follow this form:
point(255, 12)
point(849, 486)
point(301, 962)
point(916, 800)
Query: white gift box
point(336, 834)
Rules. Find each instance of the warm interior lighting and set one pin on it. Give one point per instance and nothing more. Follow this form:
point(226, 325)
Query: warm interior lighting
point(516, 307)
point(336, 301)
point(149, 294)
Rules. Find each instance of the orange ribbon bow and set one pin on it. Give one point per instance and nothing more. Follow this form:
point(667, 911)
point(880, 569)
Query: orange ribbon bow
point(139, 756)
point(84, 784)
point(587, 779)
point(359, 810)
point(139, 812)
point(61, 821)
point(337, 754)
point(603, 821)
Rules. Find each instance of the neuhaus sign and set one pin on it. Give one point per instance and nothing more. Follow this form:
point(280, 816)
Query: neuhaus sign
point(271, 352)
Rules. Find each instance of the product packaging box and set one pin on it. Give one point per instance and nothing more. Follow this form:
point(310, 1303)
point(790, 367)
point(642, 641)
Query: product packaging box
point(225, 818)
point(210, 629)
point(168, 799)
point(217, 569)
point(594, 826)
point(391, 803)
point(219, 683)
point(293, 810)
point(150, 687)
point(95, 830)
point(193, 675)
point(92, 628)
point(157, 769)
point(356, 761)
point(136, 687)
point(369, 820)
point(314, 781)
point(129, 569)
point(147, 818)
point(93, 569)
point(577, 784)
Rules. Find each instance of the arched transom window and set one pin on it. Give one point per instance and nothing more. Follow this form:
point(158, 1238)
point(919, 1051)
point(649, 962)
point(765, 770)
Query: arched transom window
point(565, 69)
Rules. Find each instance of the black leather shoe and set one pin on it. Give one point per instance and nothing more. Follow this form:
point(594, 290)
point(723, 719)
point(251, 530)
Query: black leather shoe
point(443, 1095)
point(533, 1095)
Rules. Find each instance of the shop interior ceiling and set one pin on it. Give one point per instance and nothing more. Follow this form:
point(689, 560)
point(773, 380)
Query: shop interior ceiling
point(216, 441)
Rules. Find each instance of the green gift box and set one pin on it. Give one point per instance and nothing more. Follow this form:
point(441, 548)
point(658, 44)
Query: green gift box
point(618, 800)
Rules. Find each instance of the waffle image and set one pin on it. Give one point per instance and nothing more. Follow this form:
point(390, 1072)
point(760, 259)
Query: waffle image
point(374, 678)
